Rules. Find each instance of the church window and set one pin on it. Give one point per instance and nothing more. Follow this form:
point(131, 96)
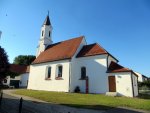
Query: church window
point(59, 71)
point(83, 72)
point(48, 72)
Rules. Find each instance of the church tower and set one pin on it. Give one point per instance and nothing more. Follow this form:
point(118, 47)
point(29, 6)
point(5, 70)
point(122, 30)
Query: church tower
point(45, 37)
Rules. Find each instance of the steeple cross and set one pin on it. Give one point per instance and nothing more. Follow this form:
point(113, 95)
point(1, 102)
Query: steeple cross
point(48, 13)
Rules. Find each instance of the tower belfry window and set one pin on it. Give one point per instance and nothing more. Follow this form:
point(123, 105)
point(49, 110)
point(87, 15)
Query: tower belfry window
point(49, 34)
point(42, 33)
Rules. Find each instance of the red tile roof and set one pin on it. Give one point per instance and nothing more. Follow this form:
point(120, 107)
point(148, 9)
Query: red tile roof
point(116, 68)
point(20, 69)
point(59, 51)
point(91, 50)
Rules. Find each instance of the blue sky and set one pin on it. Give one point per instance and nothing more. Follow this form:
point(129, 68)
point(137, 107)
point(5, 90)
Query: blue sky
point(122, 27)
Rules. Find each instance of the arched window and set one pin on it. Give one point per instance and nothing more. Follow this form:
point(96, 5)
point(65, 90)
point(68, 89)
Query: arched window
point(49, 34)
point(83, 72)
point(42, 33)
point(48, 72)
point(59, 70)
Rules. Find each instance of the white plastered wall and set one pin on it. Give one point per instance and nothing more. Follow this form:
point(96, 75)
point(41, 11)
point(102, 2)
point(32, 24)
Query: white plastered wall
point(110, 59)
point(123, 83)
point(38, 74)
point(24, 79)
point(96, 67)
point(140, 77)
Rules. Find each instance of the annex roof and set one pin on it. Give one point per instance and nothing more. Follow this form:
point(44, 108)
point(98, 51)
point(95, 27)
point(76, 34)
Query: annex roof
point(92, 50)
point(116, 68)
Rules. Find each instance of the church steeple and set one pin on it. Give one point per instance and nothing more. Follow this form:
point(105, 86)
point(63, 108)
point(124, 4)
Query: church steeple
point(47, 21)
point(45, 38)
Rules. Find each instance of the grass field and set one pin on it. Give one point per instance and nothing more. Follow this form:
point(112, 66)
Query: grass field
point(92, 101)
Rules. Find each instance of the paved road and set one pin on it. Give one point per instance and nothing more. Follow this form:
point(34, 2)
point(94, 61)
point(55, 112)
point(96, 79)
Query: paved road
point(10, 104)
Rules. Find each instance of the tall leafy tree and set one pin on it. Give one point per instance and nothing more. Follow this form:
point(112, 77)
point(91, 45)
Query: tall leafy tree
point(4, 64)
point(24, 59)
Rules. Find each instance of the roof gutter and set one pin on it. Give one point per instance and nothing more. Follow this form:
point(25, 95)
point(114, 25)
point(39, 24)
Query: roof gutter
point(132, 84)
point(50, 61)
point(107, 61)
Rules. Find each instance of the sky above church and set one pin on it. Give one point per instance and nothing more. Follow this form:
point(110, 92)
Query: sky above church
point(122, 27)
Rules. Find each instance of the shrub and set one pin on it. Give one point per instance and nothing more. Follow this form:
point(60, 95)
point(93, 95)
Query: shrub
point(77, 89)
point(144, 85)
point(4, 86)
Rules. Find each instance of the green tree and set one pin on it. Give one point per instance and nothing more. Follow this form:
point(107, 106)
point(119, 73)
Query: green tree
point(4, 64)
point(24, 59)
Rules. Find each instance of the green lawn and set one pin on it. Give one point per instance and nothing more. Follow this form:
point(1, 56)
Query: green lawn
point(92, 101)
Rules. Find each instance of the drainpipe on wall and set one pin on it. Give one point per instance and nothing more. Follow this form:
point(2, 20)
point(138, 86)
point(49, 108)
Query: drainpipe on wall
point(69, 75)
point(132, 84)
point(87, 84)
point(137, 85)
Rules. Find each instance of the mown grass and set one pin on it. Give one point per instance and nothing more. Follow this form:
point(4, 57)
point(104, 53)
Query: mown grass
point(92, 101)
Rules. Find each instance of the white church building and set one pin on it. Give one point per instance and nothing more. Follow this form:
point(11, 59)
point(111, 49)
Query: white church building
point(64, 65)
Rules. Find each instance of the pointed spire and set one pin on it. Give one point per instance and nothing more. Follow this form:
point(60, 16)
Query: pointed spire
point(47, 20)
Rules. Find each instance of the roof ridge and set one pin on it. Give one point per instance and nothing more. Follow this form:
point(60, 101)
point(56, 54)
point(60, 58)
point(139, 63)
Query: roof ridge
point(107, 51)
point(102, 47)
point(63, 41)
point(90, 44)
point(73, 38)
point(69, 39)
point(78, 46)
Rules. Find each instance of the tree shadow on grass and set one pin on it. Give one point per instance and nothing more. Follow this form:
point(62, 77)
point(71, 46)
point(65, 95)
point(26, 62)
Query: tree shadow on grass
point(106, 109)
point(95, 107)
